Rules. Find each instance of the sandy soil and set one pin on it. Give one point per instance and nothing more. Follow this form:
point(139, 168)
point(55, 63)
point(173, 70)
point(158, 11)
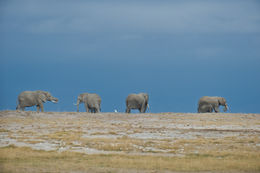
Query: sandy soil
point(144, 134)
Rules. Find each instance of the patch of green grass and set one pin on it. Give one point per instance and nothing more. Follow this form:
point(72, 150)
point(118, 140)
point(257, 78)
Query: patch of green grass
point(15, 159)
point(3, 130)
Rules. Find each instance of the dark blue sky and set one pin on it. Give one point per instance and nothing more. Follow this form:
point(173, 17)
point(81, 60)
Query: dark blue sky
point(177, 51)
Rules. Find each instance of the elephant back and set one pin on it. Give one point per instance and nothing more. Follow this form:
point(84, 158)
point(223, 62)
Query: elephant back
point(94, 98)
point(135, 98)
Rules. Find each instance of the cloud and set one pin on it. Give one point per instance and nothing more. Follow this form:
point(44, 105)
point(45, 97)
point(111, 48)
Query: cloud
point(134, 17)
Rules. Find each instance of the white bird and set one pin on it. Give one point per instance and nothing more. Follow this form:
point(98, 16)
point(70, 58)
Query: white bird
point(115, 111)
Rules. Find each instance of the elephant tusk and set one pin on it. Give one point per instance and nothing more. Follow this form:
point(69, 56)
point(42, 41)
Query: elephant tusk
point(148, 106)
point(228, 108)
point(53, 101)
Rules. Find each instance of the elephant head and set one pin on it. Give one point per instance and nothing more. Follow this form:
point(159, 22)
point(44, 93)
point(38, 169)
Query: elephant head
point(46, 96)
point(222, 101)
point(80, 100)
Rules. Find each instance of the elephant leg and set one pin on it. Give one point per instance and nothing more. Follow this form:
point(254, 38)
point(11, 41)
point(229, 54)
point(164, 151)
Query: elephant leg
point(77, 108)
point(18, 108)
point(86, 107)
point(98, 109)
point(201, 108)
point(41, 106)
point(211, 110)
point(145, 108)
point(216, 109)
point(142, 110)
point(22, 108)
point(205, 108)
point(38, 108)
point(208, 110)
point(128, 110)
point(199, 111)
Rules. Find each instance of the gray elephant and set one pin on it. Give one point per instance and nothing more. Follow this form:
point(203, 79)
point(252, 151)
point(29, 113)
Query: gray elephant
point(92, 102)
point(208, 104)
point(137, 101)
point(34, 98)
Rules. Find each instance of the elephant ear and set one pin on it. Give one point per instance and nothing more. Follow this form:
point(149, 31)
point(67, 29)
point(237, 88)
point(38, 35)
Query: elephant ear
point(43, 97)
point(146, 97)
point(81, 97)
point(222, 101)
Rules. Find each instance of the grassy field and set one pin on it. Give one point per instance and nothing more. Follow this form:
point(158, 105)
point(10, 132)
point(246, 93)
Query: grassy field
point(114, 142)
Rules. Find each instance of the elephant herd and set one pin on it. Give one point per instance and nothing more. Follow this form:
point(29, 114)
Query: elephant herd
point(92, 102)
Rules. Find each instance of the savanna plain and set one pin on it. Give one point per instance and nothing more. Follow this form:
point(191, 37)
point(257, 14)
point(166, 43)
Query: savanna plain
point(119, 142)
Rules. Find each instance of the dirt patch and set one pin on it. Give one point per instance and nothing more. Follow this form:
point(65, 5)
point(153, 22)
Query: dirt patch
point(117, 133)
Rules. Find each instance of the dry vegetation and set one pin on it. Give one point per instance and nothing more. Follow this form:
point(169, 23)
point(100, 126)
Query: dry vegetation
point(108, 142)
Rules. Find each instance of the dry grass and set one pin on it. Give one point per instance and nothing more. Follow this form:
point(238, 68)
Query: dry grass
point(13, 159)
point(109, 144)
point(127, 143)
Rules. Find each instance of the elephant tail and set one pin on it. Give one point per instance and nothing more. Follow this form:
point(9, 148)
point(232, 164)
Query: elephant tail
point(17, 104)
point(198, 109)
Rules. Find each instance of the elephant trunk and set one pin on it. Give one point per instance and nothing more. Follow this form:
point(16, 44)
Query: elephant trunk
point(54, 100)
point(78, 102)
point(226, 108)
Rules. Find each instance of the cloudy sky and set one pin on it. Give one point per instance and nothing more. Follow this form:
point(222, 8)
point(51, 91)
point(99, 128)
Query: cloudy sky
point(177, 51)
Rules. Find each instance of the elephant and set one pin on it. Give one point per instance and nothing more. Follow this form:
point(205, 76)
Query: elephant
point(32, 98)
point(137, 101)
point(208, 104)
point(92, 102)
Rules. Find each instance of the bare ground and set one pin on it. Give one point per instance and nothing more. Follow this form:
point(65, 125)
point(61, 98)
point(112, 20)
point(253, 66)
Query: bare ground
point(175, 135)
